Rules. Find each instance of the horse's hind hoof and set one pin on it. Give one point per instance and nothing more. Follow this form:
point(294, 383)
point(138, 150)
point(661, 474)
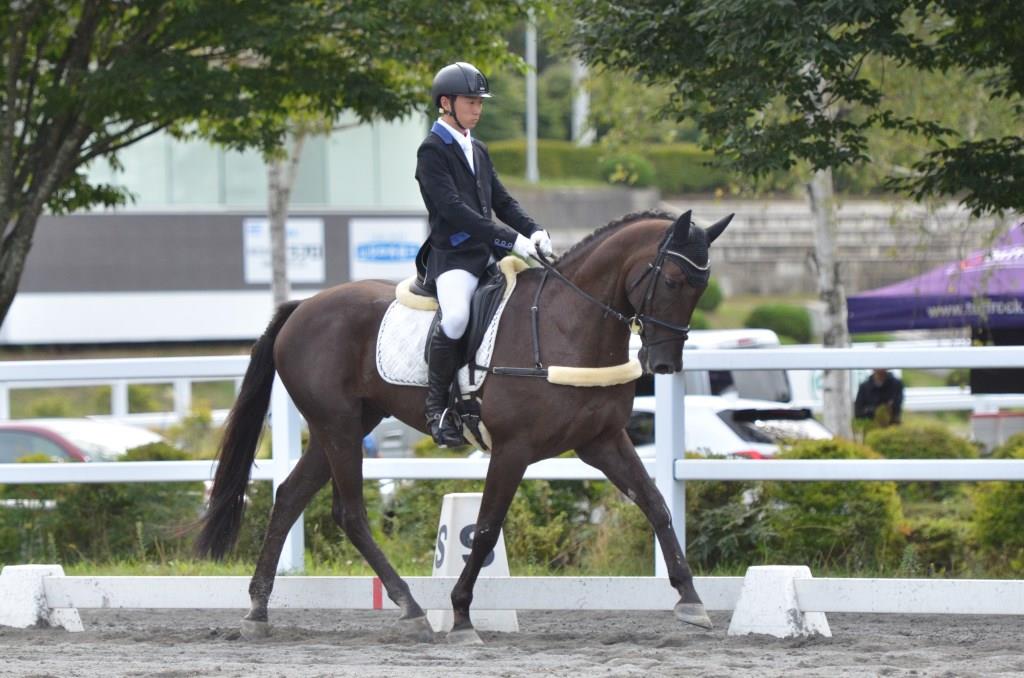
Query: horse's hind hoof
point(464, 637)
point(255, 630)
point(416, 628)
point(693, 613)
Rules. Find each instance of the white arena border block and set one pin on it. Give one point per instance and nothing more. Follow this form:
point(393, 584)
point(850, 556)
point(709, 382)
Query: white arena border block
point(24, 602)
point(455, 531)
point(768, 605)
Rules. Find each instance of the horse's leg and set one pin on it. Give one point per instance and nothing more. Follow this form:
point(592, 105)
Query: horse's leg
point(346, 458)
point(617, 459)
point(504, 474)
point(309, 475)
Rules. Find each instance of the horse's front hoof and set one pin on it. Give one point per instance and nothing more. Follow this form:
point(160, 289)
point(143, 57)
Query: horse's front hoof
point(466, 636)
point(693, 613)
point(255, 630)
point(416, 628)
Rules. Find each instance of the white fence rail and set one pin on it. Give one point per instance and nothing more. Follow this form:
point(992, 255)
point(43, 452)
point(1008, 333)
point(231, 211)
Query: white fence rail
point(902, 596)
point(668, 469)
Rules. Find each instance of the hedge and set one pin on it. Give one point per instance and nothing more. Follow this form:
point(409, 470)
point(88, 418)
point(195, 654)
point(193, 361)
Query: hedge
point(677, 168)
point(786, 320)
point(846, 524)
point(999, 514)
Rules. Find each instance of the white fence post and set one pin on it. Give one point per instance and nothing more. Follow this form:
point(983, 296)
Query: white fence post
point(182, 397)
point(670, 444)
point(119, 398)
point(286, 439)
point(5, 402)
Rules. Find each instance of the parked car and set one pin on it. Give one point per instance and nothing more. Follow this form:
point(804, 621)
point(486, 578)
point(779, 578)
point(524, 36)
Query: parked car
point(757, 384)
point(732, 427)
point(70, 439)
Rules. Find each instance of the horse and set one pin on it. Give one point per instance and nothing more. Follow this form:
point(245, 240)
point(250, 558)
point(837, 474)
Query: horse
point(643, 273)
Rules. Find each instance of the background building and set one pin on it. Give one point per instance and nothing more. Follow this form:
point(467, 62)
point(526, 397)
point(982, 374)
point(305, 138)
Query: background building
point(189, 258)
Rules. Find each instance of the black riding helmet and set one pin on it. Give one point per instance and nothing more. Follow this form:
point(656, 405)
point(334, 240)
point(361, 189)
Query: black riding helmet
point(459, 79)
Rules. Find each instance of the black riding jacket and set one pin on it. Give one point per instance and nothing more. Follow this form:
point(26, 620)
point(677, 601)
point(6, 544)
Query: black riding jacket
point(461, 206)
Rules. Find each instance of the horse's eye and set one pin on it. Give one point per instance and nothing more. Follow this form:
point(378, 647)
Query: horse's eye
point(672, 284)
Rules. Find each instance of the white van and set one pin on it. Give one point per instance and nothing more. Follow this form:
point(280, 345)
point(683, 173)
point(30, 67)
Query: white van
point(770, 385)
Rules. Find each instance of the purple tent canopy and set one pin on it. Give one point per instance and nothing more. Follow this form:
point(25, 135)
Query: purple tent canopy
point(985, 289)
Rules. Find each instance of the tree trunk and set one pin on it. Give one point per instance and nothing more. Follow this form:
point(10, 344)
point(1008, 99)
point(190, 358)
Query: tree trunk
point(14, 249)
point(280, 180)
point(836, 383)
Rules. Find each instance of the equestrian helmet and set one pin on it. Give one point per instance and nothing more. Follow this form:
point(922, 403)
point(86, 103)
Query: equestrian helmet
point(459, 79)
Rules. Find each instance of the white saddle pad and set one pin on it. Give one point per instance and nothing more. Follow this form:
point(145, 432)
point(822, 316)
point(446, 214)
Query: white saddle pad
point(402, 338)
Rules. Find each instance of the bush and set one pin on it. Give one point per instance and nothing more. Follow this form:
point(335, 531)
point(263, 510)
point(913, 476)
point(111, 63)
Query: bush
point(846, 524)
point(699, 321)
point(622, 543)
point(785, 319)
point(999, 514)
point(937, 546)
point(922, 440)
point(724, 525)
point(102, 521)
point(1009, 447)
point(712, 297)
point(628, 169)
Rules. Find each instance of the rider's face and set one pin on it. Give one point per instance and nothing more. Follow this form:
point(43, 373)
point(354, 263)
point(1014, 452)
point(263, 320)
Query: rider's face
point(468, 109)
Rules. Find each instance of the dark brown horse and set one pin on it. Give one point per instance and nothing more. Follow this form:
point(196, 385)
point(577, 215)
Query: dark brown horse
point(646, 269)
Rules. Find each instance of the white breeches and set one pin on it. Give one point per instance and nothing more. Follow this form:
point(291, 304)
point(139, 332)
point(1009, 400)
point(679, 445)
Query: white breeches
point(454, 292)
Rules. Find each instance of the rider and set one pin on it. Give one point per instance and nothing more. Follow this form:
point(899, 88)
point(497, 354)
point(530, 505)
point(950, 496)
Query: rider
point(462, 191)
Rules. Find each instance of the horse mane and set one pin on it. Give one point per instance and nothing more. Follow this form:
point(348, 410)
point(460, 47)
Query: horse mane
point(608, 229)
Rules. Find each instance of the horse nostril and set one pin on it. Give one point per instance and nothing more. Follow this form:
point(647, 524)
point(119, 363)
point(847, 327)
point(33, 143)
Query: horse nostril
point(663, 368)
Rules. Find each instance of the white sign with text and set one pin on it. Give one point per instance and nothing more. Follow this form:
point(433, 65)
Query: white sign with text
point(384, 247)
point(304, 239)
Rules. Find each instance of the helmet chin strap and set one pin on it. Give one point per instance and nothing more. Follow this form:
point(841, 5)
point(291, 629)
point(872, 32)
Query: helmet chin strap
point(451, 100)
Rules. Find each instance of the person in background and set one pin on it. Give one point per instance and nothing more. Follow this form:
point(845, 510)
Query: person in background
point(880, 390)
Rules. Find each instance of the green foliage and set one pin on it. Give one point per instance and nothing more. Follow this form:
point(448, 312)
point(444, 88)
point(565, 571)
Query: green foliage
point(940, 546)
point(623, 541)
point(999, 514)
point(555, 159)
point(195, 434)
point(629, 169)
point(808, 88)
point(922, 440)
point(686, 168)
point(851, 524)
point(76, 401)
point(711, 298)
point(150, 398)
point(672, 168)
point(1009, 448)
point(88, 80)
point(100, 521)
point(785, 319)
point(724, 524)
point(699, 321)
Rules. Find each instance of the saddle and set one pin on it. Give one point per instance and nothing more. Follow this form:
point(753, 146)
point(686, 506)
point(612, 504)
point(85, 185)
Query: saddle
point(409, 321)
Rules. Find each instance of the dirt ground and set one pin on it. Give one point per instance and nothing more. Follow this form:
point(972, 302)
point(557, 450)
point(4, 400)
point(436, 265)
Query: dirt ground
point(180, 643)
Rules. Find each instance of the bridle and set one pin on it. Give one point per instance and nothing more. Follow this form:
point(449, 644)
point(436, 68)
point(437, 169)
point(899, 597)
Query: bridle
point(639, 321)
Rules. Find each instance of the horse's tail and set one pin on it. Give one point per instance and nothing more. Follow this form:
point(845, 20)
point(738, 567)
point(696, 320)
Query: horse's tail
point(223, 518)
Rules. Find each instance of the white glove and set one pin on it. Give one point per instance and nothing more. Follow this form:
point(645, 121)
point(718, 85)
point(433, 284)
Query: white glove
point(524, 247)
point(542, 241)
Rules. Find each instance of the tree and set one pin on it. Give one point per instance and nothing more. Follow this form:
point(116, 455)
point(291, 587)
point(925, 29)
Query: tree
point(778, 85)
point(85, 79)
point(987, 173)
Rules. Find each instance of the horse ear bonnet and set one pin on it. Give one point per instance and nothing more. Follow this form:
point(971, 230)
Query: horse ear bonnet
point(680, 231)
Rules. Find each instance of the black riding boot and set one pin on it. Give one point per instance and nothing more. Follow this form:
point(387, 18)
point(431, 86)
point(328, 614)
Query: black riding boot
point(444, 361)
